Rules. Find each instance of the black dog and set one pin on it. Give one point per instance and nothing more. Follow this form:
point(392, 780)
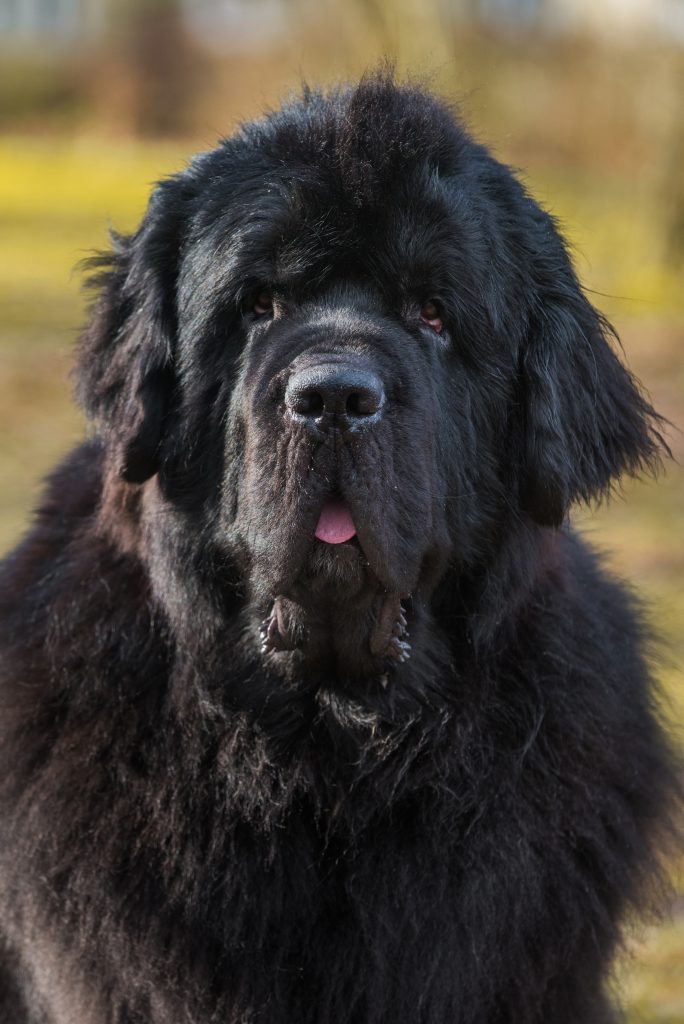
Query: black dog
point(346, 386)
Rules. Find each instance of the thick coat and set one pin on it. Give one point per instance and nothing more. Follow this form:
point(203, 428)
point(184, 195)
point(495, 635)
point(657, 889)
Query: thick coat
point(231, 793)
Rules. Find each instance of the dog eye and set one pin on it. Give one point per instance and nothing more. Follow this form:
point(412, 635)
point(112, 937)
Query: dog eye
point(263, 304)
point(430, 315)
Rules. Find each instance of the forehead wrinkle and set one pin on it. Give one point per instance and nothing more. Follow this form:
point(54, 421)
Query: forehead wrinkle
point(237, 253)
point(274, 234)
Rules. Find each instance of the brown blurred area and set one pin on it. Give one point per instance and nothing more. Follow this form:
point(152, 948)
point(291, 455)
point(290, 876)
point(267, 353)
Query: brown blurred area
point(588, 85)
point(99, 98)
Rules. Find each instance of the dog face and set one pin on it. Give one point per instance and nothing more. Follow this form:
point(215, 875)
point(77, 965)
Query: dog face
point(354, 355)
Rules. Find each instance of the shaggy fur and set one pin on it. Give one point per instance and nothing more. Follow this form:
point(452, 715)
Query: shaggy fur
point(228, 794)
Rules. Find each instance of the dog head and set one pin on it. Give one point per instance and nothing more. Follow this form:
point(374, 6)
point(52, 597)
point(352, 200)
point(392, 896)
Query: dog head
point(351, 351)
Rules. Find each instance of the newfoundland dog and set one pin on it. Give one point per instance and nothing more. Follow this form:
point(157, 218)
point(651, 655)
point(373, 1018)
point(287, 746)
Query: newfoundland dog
point(314, 708)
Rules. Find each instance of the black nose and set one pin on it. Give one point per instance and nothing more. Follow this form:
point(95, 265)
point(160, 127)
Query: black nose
point(319, 394)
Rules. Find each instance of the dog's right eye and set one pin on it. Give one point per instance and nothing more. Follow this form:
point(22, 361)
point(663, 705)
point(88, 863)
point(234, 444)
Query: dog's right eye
point(431, 316)
point(263, 304)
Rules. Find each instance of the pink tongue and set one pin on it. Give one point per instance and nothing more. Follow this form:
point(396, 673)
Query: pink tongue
point(336, 524)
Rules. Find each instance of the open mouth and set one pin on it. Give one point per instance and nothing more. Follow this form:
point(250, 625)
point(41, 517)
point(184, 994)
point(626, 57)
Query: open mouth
point(335, 523)
point(337, 557)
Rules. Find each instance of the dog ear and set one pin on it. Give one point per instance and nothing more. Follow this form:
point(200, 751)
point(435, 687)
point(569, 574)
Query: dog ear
point(586, 420)
point(125, 356)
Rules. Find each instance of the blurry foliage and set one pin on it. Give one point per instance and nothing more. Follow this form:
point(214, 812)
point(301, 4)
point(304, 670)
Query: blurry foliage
point(598, 129)
point(560, 99)
point(151, 70)
point(38, 90)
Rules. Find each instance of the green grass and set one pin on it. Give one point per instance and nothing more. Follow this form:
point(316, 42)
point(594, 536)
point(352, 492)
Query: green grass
point(56, 201)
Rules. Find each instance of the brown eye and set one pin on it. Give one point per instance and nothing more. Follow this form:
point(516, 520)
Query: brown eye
point(263, 304)
point(430, 315)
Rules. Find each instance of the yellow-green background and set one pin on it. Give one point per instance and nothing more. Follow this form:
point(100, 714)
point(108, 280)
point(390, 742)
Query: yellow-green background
point(597, 127)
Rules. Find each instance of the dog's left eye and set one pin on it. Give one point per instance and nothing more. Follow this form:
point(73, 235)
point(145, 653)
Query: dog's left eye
point(430, 315)
point(263, 304)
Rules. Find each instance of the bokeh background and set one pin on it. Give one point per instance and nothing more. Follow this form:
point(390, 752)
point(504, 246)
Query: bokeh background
point(100, 98)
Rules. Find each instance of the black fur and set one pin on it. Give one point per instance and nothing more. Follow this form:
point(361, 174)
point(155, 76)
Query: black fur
point(207, 824)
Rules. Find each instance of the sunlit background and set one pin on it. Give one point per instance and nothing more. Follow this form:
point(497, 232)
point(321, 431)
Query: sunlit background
point(99, 98)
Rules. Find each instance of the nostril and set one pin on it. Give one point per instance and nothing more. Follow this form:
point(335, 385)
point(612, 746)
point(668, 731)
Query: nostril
point(309, 403)
point(364, 402)
point(353, 404)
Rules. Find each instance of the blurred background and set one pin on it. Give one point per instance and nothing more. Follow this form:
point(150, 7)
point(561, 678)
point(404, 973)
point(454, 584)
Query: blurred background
point(100, 98)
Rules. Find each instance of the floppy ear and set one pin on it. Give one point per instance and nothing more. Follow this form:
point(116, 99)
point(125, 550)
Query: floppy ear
point(125, 356)
point(586, 420)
